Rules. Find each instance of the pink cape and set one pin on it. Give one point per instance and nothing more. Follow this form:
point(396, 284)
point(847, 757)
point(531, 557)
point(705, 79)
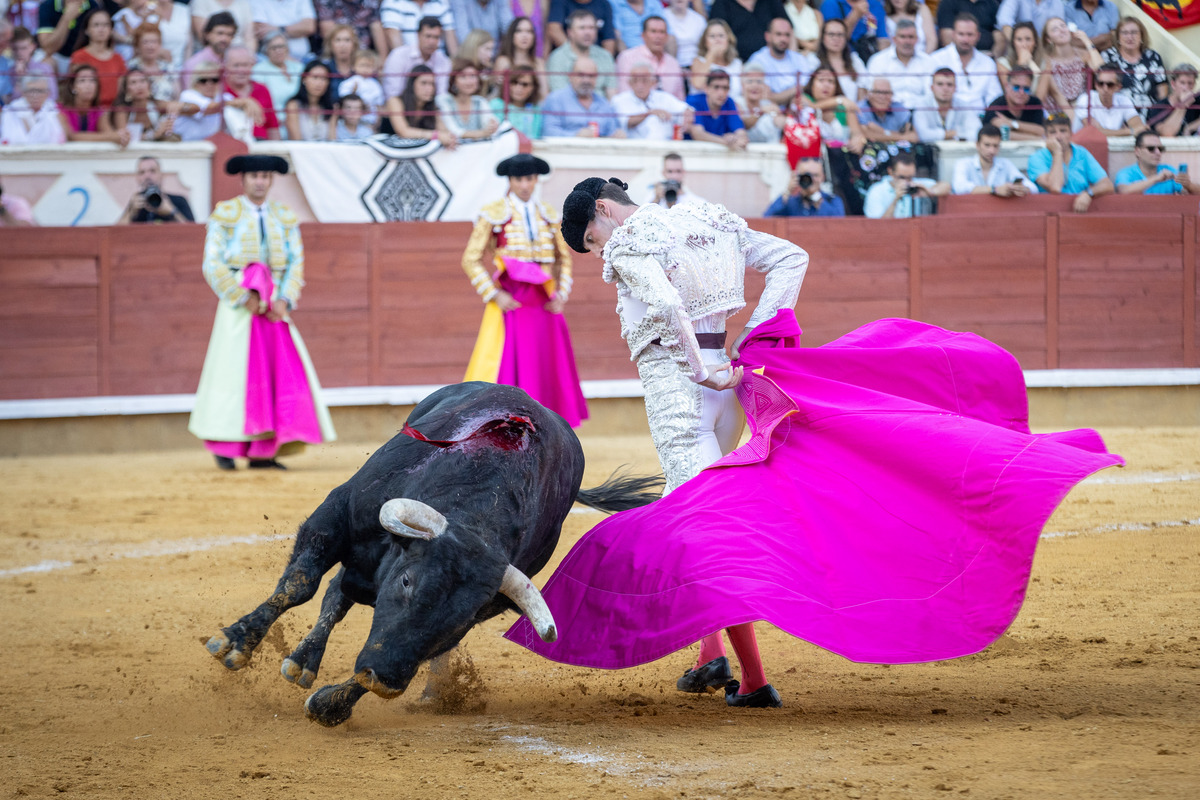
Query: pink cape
point(538, 355)
point(886, 508)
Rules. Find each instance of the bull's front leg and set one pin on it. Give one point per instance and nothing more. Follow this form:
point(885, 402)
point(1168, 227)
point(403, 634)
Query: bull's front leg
point(332, 705)
point(234, 645)
point(302, 665)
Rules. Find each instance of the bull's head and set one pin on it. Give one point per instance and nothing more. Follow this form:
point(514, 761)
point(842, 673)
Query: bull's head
point(429, 596)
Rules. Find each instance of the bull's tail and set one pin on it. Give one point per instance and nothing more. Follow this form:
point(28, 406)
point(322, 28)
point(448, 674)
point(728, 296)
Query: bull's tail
point(622, 492)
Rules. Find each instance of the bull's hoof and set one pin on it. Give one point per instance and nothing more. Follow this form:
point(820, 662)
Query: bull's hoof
point(332, 705)
point(222, 649)
point(294, 673)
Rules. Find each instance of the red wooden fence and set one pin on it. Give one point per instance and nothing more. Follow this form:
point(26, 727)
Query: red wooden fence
point(125, 311)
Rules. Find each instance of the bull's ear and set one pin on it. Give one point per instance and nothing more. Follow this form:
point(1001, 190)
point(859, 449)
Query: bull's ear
point(412, 519)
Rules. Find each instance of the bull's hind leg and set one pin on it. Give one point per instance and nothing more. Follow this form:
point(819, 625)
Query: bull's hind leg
point(302, 665)
point(234, 645)
point(332, 705)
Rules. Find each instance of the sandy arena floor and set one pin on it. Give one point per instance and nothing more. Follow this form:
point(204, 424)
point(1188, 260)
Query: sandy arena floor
point(114, 569)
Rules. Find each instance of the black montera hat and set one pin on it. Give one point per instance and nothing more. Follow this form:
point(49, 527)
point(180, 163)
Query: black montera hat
point(579, 209)
point(522, 164)
point(256, 163)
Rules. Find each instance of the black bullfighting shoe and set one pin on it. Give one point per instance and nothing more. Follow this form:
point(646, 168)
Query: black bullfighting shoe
point(763, 697)
point(707, 678)
point(265, 463)
point(224, 462)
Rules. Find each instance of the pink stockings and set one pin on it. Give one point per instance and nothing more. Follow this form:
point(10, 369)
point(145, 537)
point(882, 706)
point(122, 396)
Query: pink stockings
point(746, 648)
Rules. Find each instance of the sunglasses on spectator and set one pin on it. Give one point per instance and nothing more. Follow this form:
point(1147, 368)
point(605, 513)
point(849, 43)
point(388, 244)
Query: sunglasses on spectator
point(207, 80)
point(1016, 87)
point(522, 83)
point(1108, 84)
point(1154, 148)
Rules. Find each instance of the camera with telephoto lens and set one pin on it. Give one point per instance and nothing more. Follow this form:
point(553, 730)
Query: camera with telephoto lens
point(153, 196)
point(671, 191)
point(805, 181)
point(912, 190)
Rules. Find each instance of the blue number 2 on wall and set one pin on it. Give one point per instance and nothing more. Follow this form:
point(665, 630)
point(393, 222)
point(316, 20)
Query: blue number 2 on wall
point(86, 202)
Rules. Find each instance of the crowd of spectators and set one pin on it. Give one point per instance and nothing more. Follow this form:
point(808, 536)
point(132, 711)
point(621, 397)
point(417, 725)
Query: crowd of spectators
point(848, 82)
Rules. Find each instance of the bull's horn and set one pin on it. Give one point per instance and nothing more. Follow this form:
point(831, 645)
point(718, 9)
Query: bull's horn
point(520, 590)
point(411, 518)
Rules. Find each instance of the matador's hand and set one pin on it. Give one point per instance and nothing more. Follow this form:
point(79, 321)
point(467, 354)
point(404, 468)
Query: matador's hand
point(506, 301)
point(723, 379)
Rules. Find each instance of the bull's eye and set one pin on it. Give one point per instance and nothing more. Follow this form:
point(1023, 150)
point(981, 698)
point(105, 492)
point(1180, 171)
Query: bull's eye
point(405, 582)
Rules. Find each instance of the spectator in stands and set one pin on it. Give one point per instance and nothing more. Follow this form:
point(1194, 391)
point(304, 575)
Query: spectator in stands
point(686, 26)
point(717, 119)
point(518, 48)
point(519, 101)
point(148, 56)
point(834, 51)
point(60, 26)
point(362, 15)
point(763, 119)
point(578, 109)
point(916, 12)
point(277, 70)
point(479, 47)
point(425, 50)
point(806, 25)
point(975, 70)
point(6, 64)
point(629, 20)
point(250, 97)
point(1179, 113)
point(138, 112)
point(804, 196)
point(1013, 109)
point(175, 25)
point(493, 16)
point(581, 41)
point(200, 106)
point(838, 121)
point(881, 119)
point(80, 113)
point(1034, 13)
point(296, 18)
point(403, 21)
point(150, 204)
point(906, 66)
point(717, 50)
point(25, 62)
point(242, 12)
point(1096, 19)
point(95, 49)
point(348, 124)
point(464, 111)
point(1143, 76)
point(15, 211)
point(982, 11)
point(944, 119)
point(645, 112)
point(414, 113)
point(786, 70)
point(866, 20)
point(365, 85)
point(670, 190)
point(989, 173)
point(653, 51)
point(534, 11)
point(1070, 57)
point(135, 13)
point(309, 109)
point(558, 23)
point(1063, 167)
point(33, 118)
point(219, 33)
point(1023, 51)
point(900, 194)
point(339, 52)
point(748, 20)
point(1148, 175)
point(1107, 108)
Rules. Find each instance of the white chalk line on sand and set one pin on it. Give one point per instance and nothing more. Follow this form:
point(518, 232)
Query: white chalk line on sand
point(185, 546)
point(622, 764)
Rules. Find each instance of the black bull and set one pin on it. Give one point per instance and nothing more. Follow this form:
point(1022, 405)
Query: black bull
point(437, 531)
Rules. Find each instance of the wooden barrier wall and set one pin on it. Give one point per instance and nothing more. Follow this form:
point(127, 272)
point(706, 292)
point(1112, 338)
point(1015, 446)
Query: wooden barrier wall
point(125, 311)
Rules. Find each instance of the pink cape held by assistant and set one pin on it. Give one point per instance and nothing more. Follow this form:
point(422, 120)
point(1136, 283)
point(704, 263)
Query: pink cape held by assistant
point(886, 508)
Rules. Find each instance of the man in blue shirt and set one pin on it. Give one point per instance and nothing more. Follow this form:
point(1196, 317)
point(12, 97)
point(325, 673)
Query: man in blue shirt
point(578, 109)
point(1063, 167)
point(864, 19)
point(785, 69)
point(1097, 18)
point(1149, 175)
point(902, 194)
point(717, 118)
point(804, 197)
point(556, 21)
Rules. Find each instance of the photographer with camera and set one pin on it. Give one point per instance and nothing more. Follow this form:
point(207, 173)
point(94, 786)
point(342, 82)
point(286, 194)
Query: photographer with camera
point(901, 193)
point(670, 191)
point(804, 197)
point(150, 203)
